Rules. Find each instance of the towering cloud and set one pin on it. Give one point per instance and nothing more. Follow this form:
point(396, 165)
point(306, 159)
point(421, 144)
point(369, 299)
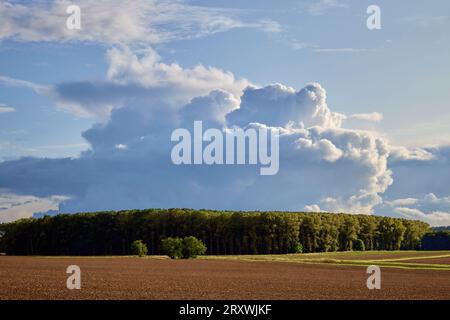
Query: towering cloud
point(142, 100)
point(324, 166)
point(278, 105)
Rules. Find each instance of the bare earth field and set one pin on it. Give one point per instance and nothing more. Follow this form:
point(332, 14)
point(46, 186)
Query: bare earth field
point(210, 278)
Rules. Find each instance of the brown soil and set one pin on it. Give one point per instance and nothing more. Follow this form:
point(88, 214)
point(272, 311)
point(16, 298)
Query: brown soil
point(134, 278)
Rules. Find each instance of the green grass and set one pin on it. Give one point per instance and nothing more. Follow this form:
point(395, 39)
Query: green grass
point(389, 259)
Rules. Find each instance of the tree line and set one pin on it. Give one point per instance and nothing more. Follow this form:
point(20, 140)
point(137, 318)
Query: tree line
point(442, 228)
point(223, 232)
point(437, 240)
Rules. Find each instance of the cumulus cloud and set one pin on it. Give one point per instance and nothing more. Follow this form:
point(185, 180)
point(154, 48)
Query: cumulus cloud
point(363, 156)
point(211, 109)
point(132, 22)
point(146, 70)
point(146, 81)
point(324, 149)
point(323, 166)
point(128, 163)
point(278, 105)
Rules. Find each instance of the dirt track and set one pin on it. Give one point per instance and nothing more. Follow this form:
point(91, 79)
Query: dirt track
point(134, 278)
point(431, 261)
point(371, 255)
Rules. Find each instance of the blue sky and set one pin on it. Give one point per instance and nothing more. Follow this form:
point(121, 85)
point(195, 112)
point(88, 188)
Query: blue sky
point(78, 93)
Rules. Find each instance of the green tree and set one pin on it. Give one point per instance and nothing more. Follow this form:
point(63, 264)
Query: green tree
point(309, 232)
point(172, 247)
point(348, 232)
point(386, 234)
point(329, 232)
point(192, 247)
point(368, 230)
point(358, 245)
point(399, 234)
point(139, 248)
point(298, 248)
point(415, 231)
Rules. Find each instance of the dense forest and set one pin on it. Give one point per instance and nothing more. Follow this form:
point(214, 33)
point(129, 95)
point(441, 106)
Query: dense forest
point(437, 240)
point(223, 232)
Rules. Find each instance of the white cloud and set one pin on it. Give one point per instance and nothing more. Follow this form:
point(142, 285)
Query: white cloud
point(14, 207)
point(400, 153)
point(324, 148)
point(40, 89)
point(269, 26)
point(146, 69)
point(402, 202)
point(373, 117)
point(418, 174)
point(362, 203)
point(121, 146)
point(278, 105)
point(61, 146)
point(211, 109)
point(435, 218)
point(429, 208)
point(6, 109)
point(132, 22)
point(312, 208)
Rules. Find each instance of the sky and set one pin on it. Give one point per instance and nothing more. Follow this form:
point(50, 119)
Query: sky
point(86, 115)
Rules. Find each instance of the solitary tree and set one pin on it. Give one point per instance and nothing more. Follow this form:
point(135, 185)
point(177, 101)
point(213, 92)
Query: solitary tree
point(192, 247)
point(139, 248)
